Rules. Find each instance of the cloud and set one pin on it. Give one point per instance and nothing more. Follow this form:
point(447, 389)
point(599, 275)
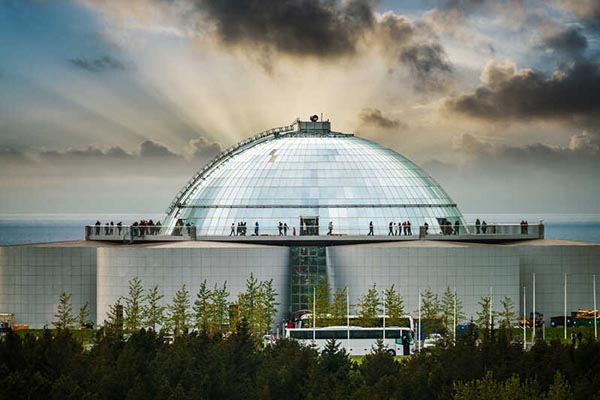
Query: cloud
point(271, 32)
point(296, 27)
point(581, 149)
point(148, 148)
point(374, 117)
point(586, 10)
point(201, 148)
point(564, 40)
point(96, 65)
point(508, 93)
point(428, 62)
point(584, 142)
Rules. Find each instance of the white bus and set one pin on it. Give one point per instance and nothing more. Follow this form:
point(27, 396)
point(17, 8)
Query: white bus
point(358, 341)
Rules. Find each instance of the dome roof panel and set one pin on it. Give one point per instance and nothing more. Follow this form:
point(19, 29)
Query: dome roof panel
point(286, 175)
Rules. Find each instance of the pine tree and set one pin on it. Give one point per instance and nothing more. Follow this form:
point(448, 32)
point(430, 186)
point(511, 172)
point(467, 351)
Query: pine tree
point(220, 307)
point(322, 306)
point(249, 304)
point(430, 312)
point(114, 317)
point(483, 316)
point(268, 305)
point(369, 307)
point(507, 314)
point(153, 313)
point(179, 311)
point(133, 305)
point(394, 306)
point(339, 307)
point(202, 307)
point(84, 316)
point(447, 309)
point(430, 305)
point(64, 312)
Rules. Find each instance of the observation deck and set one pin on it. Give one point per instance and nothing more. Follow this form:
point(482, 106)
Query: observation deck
point(311, 235)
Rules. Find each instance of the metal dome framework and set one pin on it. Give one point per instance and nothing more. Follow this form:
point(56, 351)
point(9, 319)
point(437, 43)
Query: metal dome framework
point(305, 169)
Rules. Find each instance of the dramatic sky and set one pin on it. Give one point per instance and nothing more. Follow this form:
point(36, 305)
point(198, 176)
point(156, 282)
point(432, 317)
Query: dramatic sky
point(111, 105)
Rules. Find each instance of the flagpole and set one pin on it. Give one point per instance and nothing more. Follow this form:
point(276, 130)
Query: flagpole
point(384, 317)
point(534, 318)
point(420, 322)
point(491, 309)
point(348, 317)
point(524, 318)
point(595, 311)
point(314, 315)
point(454, 322)
point(565, 321)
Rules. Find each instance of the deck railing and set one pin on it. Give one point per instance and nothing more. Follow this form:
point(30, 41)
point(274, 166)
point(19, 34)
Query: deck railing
point(449, 232)
point(131, 233)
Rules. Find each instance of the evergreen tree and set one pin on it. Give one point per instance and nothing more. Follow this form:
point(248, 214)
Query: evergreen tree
point(179, 311)
point(430, 305)
point(447, 309)
point(323, 291)
point(339, 307)
point(202, 307)
point(220, 307)
point(249, 304)
point(369, 307)
point(394, 306)
point(430, 312)
point(114, 317)
point(133, 305)
point(507, 315)
point(153, 312)
point(483, 315)
point(83, 316)
point(64, 312)
point(268, 305)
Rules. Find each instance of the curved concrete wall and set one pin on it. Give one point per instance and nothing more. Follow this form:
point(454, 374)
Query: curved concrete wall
point(172, 267)
point(32, 279)
point(413, 268)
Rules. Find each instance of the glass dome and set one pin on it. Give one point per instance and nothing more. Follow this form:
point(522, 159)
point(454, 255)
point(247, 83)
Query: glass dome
point(306, 174)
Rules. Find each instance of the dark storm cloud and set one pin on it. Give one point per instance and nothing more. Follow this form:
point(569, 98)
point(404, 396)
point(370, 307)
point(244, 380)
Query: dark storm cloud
point(588, 11)
point(526, 94)
point(96, 65)
point(298, 27)
point(569, 41)
point(428, 63)
point(374, 117)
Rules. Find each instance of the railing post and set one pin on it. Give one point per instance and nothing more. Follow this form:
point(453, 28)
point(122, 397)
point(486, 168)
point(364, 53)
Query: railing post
point(422, 232)
point(193, 232)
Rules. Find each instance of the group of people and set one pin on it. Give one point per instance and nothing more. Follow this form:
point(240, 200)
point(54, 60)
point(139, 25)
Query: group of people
point(395, 229)
point(447, 228)
point(480, 226)
point(109, 229)
point(524, 227)
point(283, 229)
point(143, 227)
point(240, 229)
point(576, 338)
point(139, 228)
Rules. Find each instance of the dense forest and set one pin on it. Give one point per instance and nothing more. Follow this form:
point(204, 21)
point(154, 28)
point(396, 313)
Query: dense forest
point(146, 365)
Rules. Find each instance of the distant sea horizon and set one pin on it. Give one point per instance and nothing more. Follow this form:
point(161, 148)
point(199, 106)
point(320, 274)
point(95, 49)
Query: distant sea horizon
point(42, 228)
